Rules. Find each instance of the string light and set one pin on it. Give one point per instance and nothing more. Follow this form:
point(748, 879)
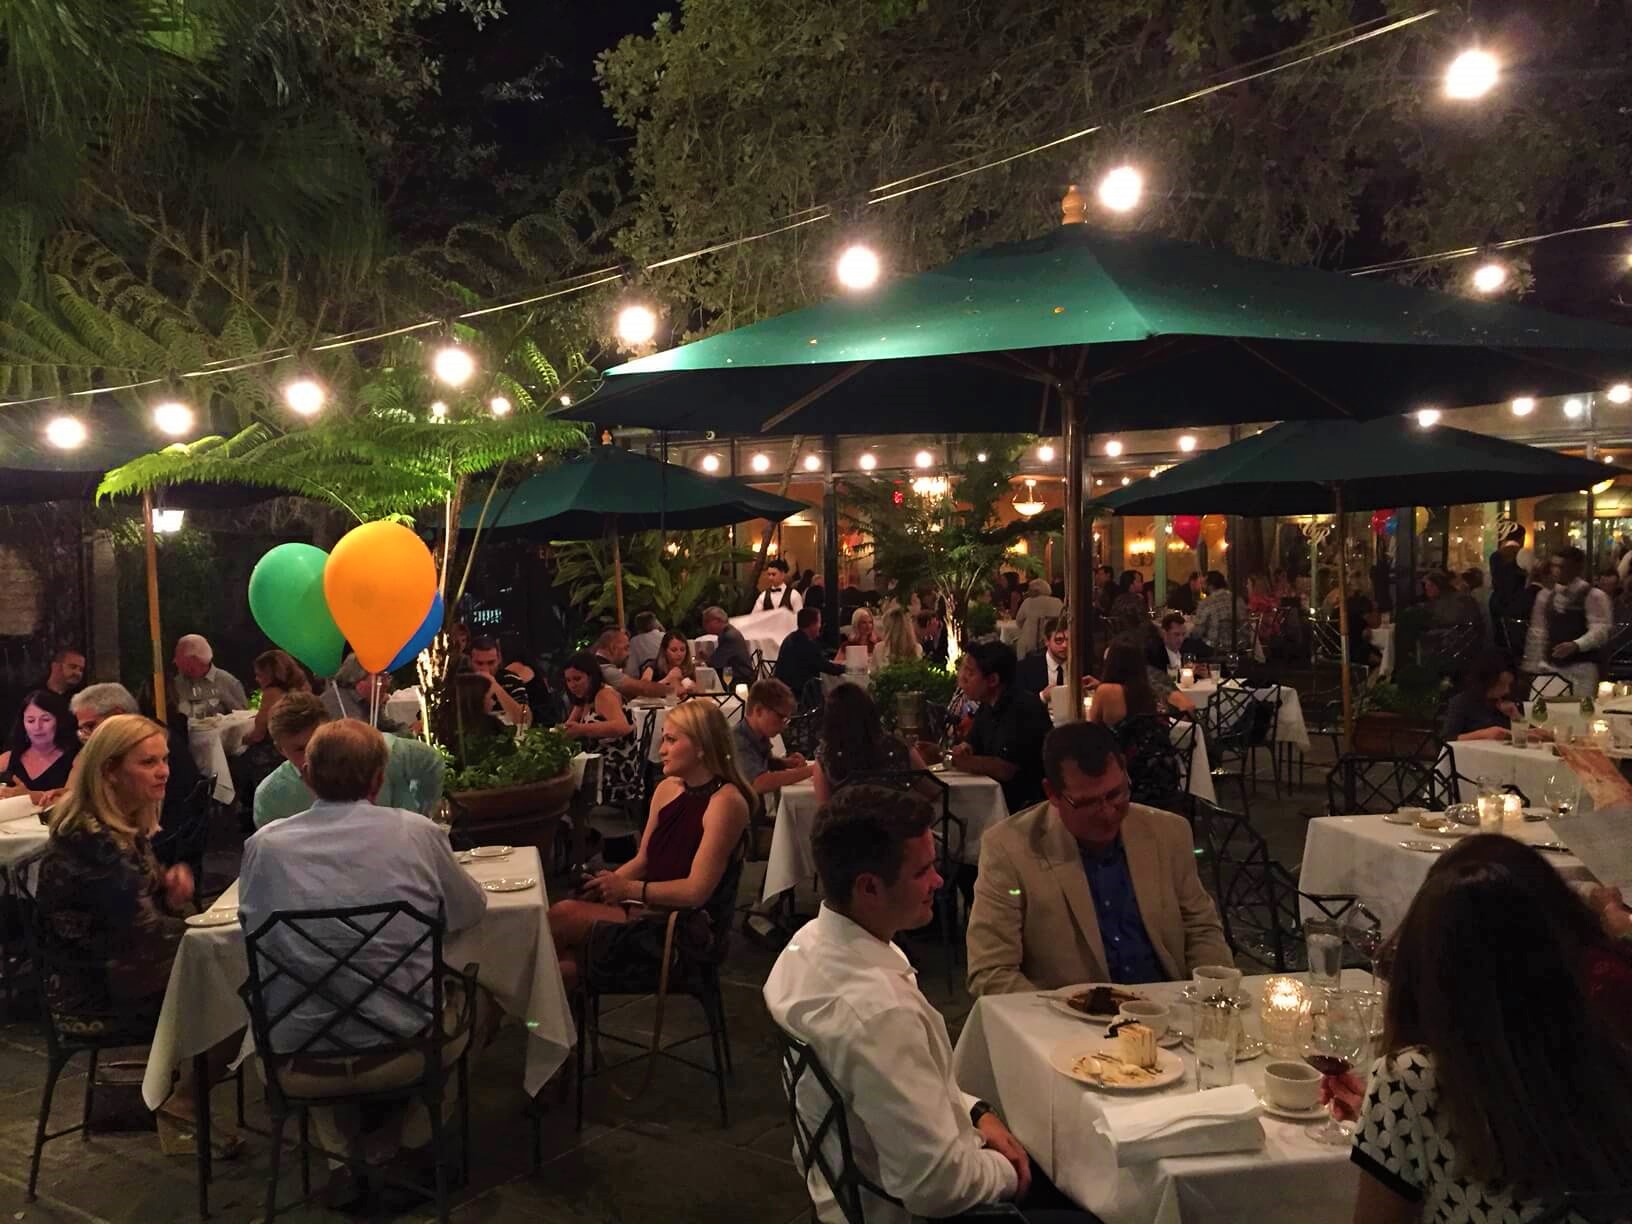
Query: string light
point(1045, 453)
point(499, 406)
point(1573, 408)
point(857, 268)
point(1620, 393)
point(439, 410)
point(636, 325)
point(813, 463)
point(980, 456)
point(1120, 190)
point(173, 417)
point(868, 461)
point(1428, 417)
point(760, 462)
point(1489, 277)
point(305, 395)
point(1187, 443)
point(1524, 406)
point(66, 433)
point(453, 365)
point(1113, 448)
point(1472, 75)
point(711, 463)
point(1126, 481)
point(566, 400)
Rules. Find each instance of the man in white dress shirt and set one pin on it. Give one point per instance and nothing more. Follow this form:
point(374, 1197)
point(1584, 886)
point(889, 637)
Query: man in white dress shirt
point(843, 987)
point(1570, 625)
point(777, 592)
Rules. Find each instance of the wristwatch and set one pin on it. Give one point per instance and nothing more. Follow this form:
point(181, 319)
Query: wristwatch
point(979, 1110)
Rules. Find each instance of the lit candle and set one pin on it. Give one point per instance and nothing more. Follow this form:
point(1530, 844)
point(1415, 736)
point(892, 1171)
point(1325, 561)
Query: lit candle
point(1512, 809)
point(1187, 677)
point(742, 692)
point(1490, 811)
point(1606, 689)
point(1600, 732)
point(1283, 1011)
point(1088, 707)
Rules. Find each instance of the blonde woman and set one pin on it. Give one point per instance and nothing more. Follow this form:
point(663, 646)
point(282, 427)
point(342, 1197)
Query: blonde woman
point(863, 632)
point(693, 833)
point(897, 643)
point(111, 917)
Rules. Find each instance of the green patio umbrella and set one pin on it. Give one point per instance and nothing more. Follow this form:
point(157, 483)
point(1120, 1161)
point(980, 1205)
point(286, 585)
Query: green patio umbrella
point(608, 489)
point(1308, 467)
point(1082, 330)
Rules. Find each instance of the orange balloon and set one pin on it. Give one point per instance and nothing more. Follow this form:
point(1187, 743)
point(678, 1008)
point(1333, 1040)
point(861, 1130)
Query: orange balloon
point(379, 583)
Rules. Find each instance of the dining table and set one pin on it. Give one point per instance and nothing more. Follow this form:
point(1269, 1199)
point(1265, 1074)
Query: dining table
point(511, 947)
point(22, 834)
point(1370, 858)
point(1289, 725)
point(1261, 1170)
point(215, 738)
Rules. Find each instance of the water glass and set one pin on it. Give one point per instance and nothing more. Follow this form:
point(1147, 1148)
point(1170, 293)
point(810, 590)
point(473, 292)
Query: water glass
point(1323, 939)
point(1215, 1044)
point(1521, 733)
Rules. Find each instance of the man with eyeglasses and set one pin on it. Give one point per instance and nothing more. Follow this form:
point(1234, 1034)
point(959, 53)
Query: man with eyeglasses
point(1088, 887)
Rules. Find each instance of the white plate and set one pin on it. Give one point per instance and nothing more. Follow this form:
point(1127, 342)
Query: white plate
point(224, 916)
point(509, 884)
point(1292, 1115)
point(1063, 1058)
point(1057, 1000)
point(490, 852)
point(1425, 847)
point(1399, 818)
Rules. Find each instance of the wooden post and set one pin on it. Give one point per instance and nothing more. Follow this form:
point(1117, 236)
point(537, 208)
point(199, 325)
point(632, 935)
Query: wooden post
point(617, 571)
point(153, 605)
point(1079, 571)
point(1343, 616)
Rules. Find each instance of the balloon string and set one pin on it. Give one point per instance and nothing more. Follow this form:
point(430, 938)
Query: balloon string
point(374, 701)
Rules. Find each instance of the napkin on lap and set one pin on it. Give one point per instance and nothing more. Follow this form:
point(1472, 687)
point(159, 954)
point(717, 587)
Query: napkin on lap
point(1183, 1124)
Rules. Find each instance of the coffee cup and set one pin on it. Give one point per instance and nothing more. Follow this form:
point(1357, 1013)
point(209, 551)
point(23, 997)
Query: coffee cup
point(1292, 1085)
point(1154, 1016)
point(1212, 981)
point(1413, 815)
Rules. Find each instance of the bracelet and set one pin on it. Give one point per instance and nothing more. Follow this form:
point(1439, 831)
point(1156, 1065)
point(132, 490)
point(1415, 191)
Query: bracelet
point(979, 1110)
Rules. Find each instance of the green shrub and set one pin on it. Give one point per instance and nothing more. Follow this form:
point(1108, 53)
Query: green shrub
point(980, 621)
point(536, 755)
point(935, 683)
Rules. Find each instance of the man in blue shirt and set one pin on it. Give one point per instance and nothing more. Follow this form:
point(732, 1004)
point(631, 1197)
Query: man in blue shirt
point(413, 774)
point(1089, 887)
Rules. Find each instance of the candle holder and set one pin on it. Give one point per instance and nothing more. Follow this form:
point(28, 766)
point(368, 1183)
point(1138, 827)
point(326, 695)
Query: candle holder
point(1600, 731)
point(1283, 1015)
point(1606, 689)
point(1490, 812)
point(1187, 677)
point(742, 692)
point(1512, 809)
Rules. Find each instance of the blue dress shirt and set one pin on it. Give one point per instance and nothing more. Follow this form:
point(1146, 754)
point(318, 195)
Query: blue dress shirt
point(1129, 955)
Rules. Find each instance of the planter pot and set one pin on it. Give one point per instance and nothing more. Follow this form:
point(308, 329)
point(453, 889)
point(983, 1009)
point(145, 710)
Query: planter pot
point(1379, 733)
point(525, 815)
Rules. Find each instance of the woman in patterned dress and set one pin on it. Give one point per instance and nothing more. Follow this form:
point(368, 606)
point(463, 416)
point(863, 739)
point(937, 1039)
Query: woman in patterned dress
point(596, 714)
point(1506, 1082)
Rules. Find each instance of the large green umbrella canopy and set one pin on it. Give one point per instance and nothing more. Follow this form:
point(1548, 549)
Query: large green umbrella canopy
point(1294, 468)
point(578, 498)
point(1143, 331)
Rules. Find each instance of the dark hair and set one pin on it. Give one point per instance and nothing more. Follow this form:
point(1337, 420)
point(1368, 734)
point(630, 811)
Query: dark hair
point(1216, 581)
point(1125, 665)
point(1126, 581)
point(1056, 624)
point(863, 830)
point(773, 694)
point(1483, 672)
point(645, 622)
point(1172, 618)
point(1440, 579)
point(1091, 747)
point(777, 563)
point(590, 665)
point(1105, 569)
point(482, 643)
point(1475, 577)
point(853, 738)
point(660, 660)
point(807, 617)
point(286, 674)
point(67, 732)
point(463, 721)
point(62, 652)
point(993, 659)
point(1570, 553)
point(1194, 574)
point(922, 619)
point(1532, 1080)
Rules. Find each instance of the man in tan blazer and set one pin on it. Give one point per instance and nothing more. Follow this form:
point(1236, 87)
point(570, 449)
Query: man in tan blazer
point(1088, 887)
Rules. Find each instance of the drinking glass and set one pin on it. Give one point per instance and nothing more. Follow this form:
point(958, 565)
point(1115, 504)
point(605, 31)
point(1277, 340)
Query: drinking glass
point(725, 679)
point(1562, 791)
point(1521, 733)
point(1363, 931)
point(1215, 1043)
point(1323, 939)
point(1339, 1033)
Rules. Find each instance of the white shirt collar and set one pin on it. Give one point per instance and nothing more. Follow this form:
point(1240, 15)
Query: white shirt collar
point(850, 938)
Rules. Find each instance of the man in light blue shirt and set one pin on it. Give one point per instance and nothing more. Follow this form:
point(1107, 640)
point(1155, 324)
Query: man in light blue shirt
point(348, 850)
point(413, 774)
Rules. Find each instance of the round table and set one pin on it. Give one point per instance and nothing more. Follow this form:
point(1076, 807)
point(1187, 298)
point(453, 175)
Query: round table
point(215, 738)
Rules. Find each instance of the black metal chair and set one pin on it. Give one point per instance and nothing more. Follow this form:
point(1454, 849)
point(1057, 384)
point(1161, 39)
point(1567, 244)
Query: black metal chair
point(1358, 785)
point(804, 732)
point(1158, 763)
point(1229, 723)
point(1257, 897)
point(823, 1138)
point(1589, 1207)
point(354, 963)
point(1266, 717)
point(1552, 686)
point(188, 836)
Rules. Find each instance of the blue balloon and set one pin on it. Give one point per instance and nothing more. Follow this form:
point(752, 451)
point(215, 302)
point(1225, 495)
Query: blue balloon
point(431, 626)
point(1392, 524)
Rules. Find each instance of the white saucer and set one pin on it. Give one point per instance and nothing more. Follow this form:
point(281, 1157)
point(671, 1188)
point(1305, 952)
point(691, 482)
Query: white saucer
point(1292, 1115)
point(1425, 847)
point(509, 884)
point(490, 852)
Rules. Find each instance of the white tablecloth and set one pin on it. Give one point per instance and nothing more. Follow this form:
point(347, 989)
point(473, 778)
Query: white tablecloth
point(21, 833)
point(1382, 637)
point(1008, 632)
point(1200, 783)
point(1002, 1057)
point(402, 706)
point(511, 945)
point(213, 740)
point(1362, 856)
point(977, 800)
point(1289, 725)
point(1504, 765)
point(640, 715)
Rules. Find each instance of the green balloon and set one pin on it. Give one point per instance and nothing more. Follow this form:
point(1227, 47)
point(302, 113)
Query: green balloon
point(286, 598)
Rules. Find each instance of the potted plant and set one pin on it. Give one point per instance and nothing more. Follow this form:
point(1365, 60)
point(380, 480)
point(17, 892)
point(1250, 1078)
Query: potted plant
point(511, 788)
point(1399, 716)
point(933, 684)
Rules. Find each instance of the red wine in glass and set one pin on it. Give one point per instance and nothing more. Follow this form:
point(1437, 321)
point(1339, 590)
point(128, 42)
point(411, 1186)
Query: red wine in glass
point(1328, 1064)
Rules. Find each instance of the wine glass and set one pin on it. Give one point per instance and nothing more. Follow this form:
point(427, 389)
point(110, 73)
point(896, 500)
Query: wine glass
point(1363, 931)
point(725, 679)
point(1561, 792)
point(1339, 1033)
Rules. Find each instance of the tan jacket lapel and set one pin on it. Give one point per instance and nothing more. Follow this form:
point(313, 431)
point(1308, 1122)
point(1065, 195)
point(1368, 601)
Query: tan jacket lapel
point(1145, 866)
point(1063, 861)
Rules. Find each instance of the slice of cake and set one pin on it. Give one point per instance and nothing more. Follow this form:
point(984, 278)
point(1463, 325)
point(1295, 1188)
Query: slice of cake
point(1136, 1046)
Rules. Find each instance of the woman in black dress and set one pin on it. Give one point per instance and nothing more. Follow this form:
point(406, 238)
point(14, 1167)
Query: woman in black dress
point(42, 747)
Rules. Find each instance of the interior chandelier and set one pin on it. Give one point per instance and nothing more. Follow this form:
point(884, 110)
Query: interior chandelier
point(1031, 506)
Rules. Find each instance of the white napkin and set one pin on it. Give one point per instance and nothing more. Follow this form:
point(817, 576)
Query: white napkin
point(1059, 704)
point(16, 807)
point(1183, 1124)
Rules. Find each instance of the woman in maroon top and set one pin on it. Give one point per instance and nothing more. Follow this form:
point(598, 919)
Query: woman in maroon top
point(698, 814)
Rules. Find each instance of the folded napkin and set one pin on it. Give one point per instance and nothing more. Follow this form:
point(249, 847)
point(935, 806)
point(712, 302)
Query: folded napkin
point(1183, 1124)
point(16, 807)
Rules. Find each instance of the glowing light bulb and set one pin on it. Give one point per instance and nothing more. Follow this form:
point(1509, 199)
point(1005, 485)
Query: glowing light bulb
point(173, 417)
point(1120, 190)
point(636, 324)
point(499, 406)
point(1573, 408)
point(857, 268)
point(1489, 277)
point(66, 433)
point(868, 461)
point(1428, 417)
point(1187, 443)
point(1524, 405)
point(1045, 452)
point(1472, 75)
point(980, 456)
point(305, 396)
point(923, 459)
point(1113, 448)
point(761, 462)
point(439, 410)
point(1620, 393)
point(453, 365)
point(566, 400)
point(1126, 481)
point(813, 463)
point(711, 463)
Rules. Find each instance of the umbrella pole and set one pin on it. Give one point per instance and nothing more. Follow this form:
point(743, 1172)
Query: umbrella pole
point(1343, 616)
point(617, 571)
point(153, 605)
point(1078, 570)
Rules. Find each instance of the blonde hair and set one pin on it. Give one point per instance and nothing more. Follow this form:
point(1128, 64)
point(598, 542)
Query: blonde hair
point(701, 722)
point(897, 636)
point(90, 799)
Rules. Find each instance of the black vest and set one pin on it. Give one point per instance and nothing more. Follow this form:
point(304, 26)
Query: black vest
point(768, 603)
point(1569, 623)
